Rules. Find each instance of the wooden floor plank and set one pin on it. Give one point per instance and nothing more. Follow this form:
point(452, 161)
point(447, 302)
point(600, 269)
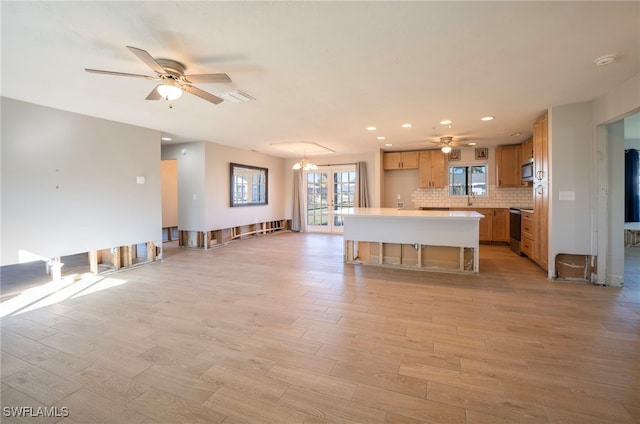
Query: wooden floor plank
point(295, 335)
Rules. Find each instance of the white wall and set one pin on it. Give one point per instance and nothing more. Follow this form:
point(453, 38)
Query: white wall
point(204, 185)
point(400, 183)
point(219, 213)
point(570, 139)
point(69, 183)
point(615, 253)
point(632, 144)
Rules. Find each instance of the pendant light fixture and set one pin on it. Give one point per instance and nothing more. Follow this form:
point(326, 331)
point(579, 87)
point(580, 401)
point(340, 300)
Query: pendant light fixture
point(305, 164)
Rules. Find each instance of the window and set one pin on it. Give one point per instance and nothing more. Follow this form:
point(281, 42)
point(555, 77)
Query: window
point(468, 180)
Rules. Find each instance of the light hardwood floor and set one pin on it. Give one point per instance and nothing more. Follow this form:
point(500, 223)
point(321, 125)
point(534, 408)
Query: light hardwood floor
point(276, 329)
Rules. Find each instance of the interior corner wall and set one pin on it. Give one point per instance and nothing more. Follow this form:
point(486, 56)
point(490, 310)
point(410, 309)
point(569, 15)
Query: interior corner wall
point(219, 213)
point(69, 183)
point(570, 138)
point(615, 254)
point(191, 183)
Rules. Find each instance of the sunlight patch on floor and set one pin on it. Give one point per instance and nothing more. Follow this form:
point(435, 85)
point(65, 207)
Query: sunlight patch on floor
point(57, 291)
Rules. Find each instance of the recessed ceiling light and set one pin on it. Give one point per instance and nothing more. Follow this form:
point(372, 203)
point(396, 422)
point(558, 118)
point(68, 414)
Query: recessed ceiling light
point(371, 128)
point(487, 118)
point(473, 143)
point(381, 137)
point(388, 144)
point(446, 122)
point(516, 134)
point(605, 60)
point(406, 125)
point(166, 138)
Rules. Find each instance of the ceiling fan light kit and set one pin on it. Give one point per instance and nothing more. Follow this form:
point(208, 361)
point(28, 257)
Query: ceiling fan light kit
point(169, 91)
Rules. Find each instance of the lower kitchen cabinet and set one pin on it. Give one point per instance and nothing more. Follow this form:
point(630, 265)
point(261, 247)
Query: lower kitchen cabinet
point(527, 230)
point(500, 225)
point(494, 227)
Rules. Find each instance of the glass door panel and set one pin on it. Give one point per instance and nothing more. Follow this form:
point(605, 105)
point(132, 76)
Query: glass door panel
point(329, 191)
point(317, 201)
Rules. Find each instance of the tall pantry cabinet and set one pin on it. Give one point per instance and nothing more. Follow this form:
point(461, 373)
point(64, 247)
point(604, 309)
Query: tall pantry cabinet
point(541, 191)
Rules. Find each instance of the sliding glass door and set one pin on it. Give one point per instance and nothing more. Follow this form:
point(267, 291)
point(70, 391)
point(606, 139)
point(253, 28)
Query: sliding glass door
point(330, 190)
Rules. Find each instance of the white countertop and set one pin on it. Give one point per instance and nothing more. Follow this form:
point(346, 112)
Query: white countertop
point(632, 226)
point(410, 213)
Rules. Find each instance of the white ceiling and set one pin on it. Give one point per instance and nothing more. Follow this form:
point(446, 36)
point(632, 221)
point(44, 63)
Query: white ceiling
point(322, 72)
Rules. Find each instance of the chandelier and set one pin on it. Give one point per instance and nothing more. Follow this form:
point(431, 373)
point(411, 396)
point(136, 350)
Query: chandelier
point(305, 165)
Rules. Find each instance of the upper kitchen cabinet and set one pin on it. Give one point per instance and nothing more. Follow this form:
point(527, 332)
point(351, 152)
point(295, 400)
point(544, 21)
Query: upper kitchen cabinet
point(526, 151)
point(400, 160)
point(432, 170)
point(508, 165)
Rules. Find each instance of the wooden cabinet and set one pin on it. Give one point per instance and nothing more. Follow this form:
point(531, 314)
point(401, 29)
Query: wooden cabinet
point(494, 227)
point(508, 165)
point(500, 225)
point(432, 169)
point(527, 231)
point(486, 227)
point(400, 160)
point(541, 191)
point(526, 151)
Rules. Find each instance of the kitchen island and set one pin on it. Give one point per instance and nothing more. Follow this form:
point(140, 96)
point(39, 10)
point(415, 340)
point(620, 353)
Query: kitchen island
point(413, 239)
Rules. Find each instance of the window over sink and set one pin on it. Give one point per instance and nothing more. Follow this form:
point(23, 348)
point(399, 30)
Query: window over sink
point(471, 180)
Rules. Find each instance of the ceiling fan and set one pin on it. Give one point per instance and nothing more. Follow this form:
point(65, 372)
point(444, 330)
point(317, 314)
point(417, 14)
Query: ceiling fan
point(446, 143)
point(171, 75)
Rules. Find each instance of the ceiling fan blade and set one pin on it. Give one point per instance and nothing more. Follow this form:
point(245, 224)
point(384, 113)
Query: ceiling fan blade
point(144, 56)
point(208, 78)
point(119, 74)
point(202, 94)
point(154, 94)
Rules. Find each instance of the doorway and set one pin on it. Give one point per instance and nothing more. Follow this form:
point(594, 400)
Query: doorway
point(330, 191)
point(632, 257)
point(169, 184)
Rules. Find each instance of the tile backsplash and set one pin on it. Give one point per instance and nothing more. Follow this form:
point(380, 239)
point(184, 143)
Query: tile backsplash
point(497, 198)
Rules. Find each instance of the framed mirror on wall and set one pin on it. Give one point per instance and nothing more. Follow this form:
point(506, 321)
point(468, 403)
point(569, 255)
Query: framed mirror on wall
point(249, 185)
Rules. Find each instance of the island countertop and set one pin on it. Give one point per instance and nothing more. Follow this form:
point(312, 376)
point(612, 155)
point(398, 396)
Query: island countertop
point(412, 213)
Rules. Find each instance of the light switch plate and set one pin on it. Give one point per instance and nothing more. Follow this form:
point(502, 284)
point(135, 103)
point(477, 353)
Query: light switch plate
point(567, 195)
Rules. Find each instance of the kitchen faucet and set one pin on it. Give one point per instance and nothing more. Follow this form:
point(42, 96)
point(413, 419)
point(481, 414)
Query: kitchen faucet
point(470, 195)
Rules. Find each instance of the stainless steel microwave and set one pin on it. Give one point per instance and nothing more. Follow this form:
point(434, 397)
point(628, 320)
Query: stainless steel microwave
point(527, 171)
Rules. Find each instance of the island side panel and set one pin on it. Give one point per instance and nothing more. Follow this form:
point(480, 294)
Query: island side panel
point(461, 232)
point(434, 232)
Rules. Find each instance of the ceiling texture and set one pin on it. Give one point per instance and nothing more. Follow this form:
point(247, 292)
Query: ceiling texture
point(322, 72)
